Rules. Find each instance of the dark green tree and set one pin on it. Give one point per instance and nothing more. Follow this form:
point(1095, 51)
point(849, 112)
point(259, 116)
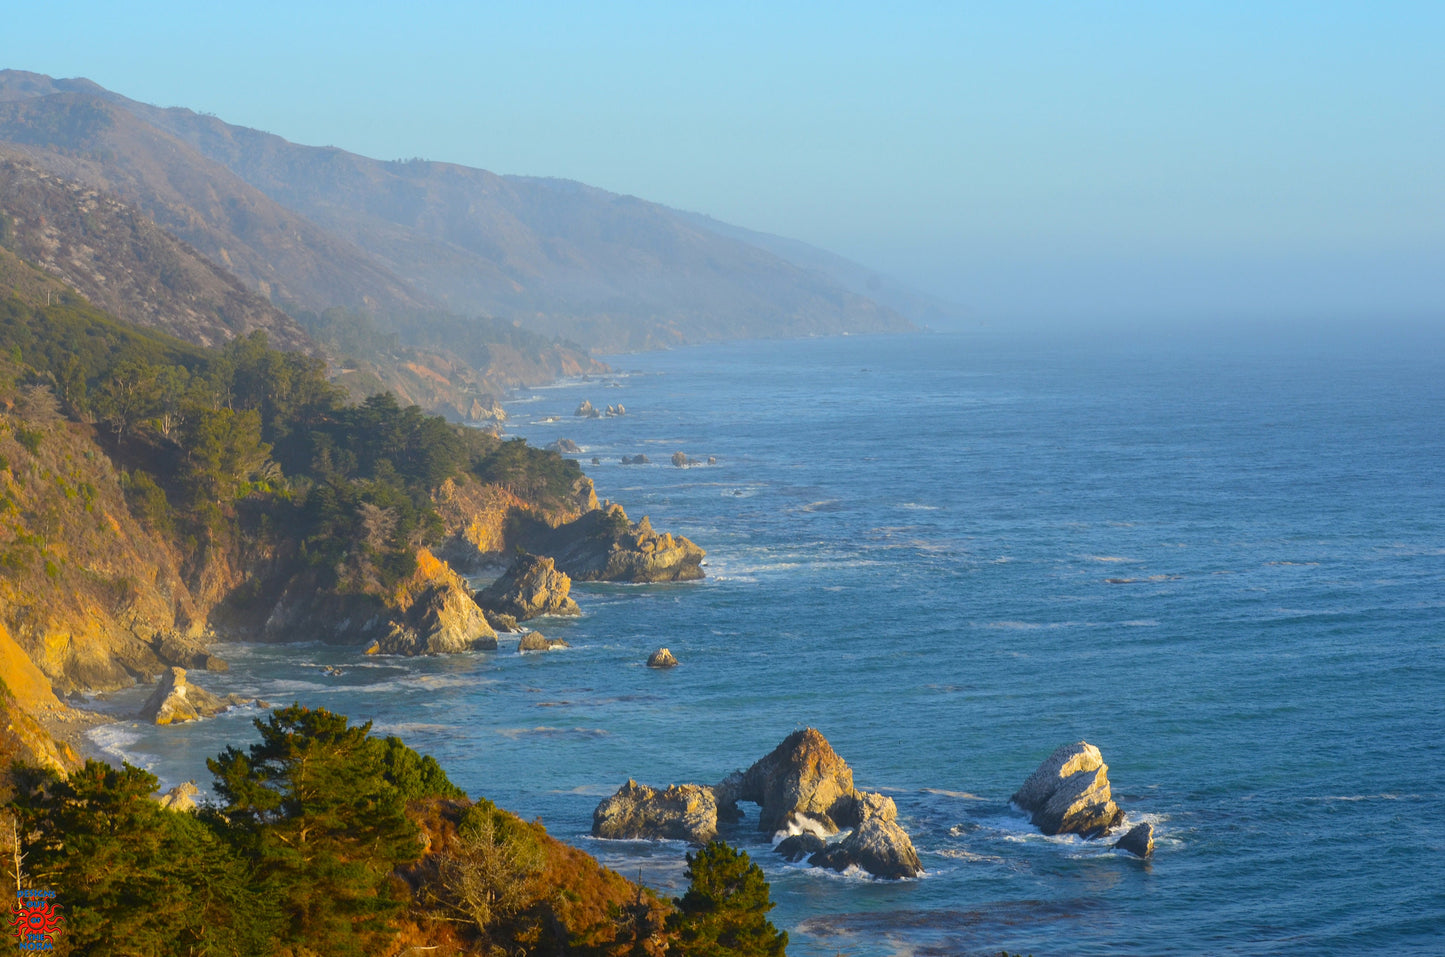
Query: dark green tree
point(133, 878)
point(325, 823)
point(725, 910)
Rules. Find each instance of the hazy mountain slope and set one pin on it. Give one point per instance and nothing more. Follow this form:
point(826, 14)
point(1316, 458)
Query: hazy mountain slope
point(126, 264)
point(272, 250)
point(608, 270)
point(881, 288)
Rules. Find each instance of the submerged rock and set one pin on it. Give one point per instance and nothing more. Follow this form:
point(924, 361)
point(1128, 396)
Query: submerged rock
point(683, 812)
point(662, 658)
point(798, 847)
point(531, 587)
point(1139, 840)
point(1069, 793)
point(499, 621)
point(536, 641)
point(878, 846)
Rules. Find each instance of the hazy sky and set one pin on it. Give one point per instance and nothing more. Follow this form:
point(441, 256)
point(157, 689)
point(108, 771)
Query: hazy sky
point(1149, 160)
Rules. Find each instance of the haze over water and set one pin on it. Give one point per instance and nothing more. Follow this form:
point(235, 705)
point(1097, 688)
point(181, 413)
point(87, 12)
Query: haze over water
point(1221, 562)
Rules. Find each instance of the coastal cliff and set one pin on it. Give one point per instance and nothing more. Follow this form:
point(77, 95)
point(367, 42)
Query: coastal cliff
point(604, 545)
point(155, 495)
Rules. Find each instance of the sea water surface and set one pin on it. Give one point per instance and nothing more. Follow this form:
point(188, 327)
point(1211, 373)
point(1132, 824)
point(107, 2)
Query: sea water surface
point(1221, 561)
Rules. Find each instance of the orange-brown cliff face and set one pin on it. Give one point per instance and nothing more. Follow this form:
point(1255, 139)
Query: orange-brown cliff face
point(88, 591)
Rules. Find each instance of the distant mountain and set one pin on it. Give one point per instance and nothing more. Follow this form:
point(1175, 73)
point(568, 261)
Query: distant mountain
point(297, 222)
point(284, 257)
point(122, 261)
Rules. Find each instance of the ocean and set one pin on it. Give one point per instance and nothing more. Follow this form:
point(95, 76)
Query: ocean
point(1220, 558)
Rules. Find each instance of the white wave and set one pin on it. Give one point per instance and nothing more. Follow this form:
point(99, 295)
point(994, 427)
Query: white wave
point(1030, 625)
point(402, 728)
point(1372, 797)
point(116, 739)
point(1106, 558)
point(286, 686)
point(962, 795)
point(959, 854)
point(919, 507)
point(546, 731)
point(798, 826)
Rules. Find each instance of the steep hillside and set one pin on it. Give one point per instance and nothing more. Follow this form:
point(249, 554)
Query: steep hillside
point(121, 260)
point(609, 271)
point(126, 264)
point(281, 255)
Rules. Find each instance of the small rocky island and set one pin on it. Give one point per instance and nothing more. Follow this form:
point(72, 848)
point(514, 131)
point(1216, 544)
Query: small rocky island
point(805, 795)
point(1069, 793)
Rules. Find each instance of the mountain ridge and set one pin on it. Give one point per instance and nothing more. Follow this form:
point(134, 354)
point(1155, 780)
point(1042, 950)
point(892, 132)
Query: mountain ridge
point(610, 271)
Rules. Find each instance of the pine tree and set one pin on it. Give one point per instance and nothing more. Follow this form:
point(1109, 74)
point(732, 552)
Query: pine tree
point(724, 912)
point(325, 823)
point(133, 878)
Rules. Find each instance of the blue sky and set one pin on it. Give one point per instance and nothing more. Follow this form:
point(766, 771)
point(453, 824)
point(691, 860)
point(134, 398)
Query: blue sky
point(1071, 161)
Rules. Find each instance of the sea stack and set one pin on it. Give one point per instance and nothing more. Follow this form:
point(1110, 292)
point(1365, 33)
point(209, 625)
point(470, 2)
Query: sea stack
point(662, 658)
point(1069, 793)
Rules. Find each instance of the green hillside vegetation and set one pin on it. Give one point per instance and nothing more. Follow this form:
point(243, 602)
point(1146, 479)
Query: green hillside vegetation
point(201, 431)
point(150, 485)
point(323, 839)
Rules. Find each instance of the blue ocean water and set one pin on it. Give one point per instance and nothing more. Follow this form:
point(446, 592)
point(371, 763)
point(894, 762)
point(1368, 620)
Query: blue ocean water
point(1222, 563)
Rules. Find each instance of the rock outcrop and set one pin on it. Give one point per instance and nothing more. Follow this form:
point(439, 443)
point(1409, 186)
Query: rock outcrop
point(500, 622)
point(878, 846)
point(587, 411)
point(536, 641)
point(176, 700)
point(803, 784)
point(799, 847)
point(173, 648)
point(683, 812)
point(638, 459)
point(437, 615)
point(182, 797)
point(802, 787)
point(1138, 840)
point(565, 447)
point(603, 545)
point(662, 658)
point(531, 587)
point(1069, 793)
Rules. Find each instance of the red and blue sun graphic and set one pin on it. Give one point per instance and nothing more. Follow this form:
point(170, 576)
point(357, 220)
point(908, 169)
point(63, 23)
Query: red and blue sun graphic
point(35, 919)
